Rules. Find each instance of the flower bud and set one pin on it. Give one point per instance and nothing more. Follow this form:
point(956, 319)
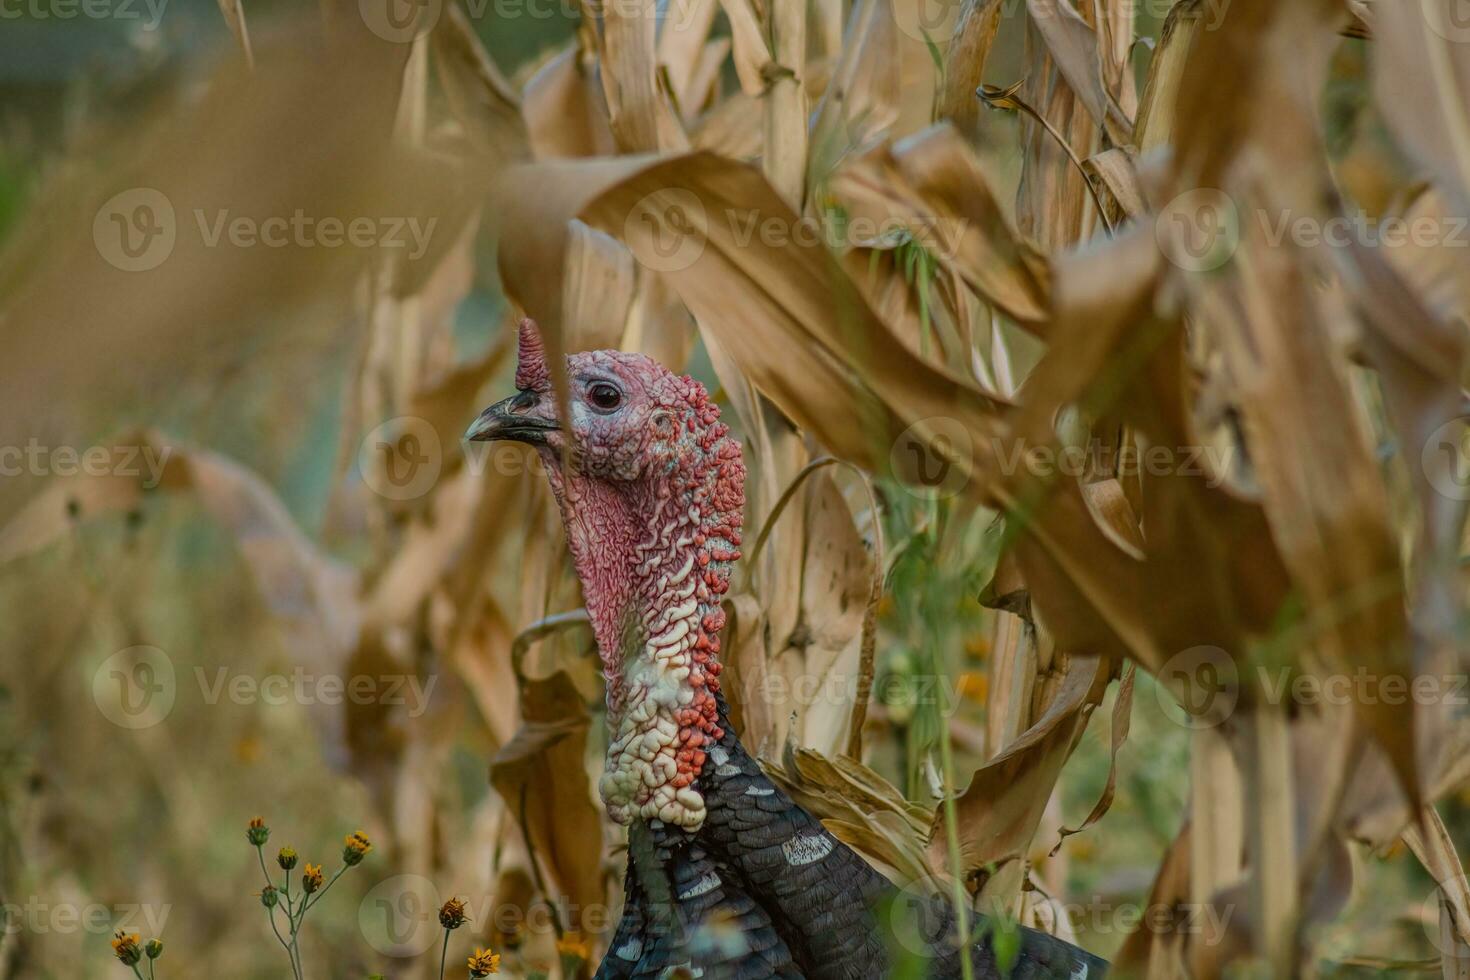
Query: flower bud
point(452, 914)
point(357, 848)
point(125, 947)
point(311, 878)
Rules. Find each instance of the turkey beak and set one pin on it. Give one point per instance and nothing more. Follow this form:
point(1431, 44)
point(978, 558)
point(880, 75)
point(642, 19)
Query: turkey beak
point(510, 420)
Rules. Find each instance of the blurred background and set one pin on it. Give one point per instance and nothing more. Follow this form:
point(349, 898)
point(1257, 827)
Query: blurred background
point(250, 570)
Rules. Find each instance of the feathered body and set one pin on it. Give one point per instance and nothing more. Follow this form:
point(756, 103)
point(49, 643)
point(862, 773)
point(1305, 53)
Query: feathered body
point(727, 876)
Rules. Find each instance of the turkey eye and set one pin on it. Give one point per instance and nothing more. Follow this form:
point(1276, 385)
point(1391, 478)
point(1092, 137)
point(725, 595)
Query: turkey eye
point(604, 397)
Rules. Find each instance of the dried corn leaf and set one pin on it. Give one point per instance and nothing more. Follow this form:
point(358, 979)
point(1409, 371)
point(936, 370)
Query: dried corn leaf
point(1000, 810)
point(935, 188)
point(757, 296)
point(540, 775)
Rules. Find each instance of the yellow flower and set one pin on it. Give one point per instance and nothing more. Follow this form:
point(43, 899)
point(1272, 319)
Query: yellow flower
point(357, 847)
point(451, 914)
point(125, 947)
point(974, 686)
point(311, 877)
point(286, 858)
point(574, 944)
point(484, 963)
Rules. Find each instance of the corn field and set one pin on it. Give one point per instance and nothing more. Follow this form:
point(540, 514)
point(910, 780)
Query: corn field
point(1100, 371)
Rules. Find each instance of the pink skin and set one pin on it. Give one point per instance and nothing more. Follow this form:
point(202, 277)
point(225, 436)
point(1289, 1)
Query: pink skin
point(652, 506)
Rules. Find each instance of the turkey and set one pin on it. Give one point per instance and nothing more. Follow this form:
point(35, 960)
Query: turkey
point(727, 877)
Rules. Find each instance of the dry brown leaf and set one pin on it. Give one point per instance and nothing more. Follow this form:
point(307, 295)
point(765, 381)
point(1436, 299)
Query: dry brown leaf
point(936, 189)
point(753, 59)
point(1421, 79)
point(1074, 47)
point(684, 48)
point(1114, 170)
point(564, 110)
point(969, 50)
point(628, 67)
point(1122, 713)
point(478, 94)
point(861, 101)
point(1001, 808)
point(756, 297)
point(540, 775)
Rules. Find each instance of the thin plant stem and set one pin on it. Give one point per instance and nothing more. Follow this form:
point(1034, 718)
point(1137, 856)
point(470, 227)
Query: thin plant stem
point(443, 954)
point(294, 919)
point(952, 839)
point(951, 817)
point(271, 914)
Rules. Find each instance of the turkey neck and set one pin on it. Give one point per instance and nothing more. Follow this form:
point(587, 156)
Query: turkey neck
point(654, 558)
